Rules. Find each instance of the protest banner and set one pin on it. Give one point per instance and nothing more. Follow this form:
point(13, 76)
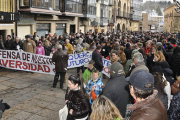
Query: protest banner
point(20, 60)
point(105, 69)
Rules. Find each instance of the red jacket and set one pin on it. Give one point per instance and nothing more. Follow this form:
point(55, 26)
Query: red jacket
point(147, 50)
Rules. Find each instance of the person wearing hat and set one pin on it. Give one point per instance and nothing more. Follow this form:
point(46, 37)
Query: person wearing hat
point(148, 106)
point(117, 87)
point(29, 45)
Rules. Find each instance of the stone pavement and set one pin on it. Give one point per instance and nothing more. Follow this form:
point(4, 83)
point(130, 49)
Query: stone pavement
point(31, 96)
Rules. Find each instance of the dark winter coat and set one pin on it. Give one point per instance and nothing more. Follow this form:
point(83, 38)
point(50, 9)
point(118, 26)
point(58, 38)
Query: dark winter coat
point(173, 112)
point(8, 44)
point(60, 57)
point(96, 56)
point(115, 89)
point(150, 62)
point(79, 103)
point(168, 55)
point(175, 63)
point(149, 109)
point(168, 73)
point(163, 64)
point(128, 52)
point(106, 51)
point(15, 44)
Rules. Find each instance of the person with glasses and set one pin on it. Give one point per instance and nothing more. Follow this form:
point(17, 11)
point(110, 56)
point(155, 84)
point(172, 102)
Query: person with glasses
point(76, 99)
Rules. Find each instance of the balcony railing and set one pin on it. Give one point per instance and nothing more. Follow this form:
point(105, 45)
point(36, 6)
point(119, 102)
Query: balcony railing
point(45, 4)
point(103, 21)
point(105, 2)
point(122, 14)
point(111, 2)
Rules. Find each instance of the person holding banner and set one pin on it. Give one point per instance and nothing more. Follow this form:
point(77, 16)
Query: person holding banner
point(29, 45)
point(60, 57)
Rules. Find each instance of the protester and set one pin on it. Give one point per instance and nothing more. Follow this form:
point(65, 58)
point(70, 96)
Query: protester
point(148, 105)
point(115, 57)
point(40, 49)
point(29, 45)
point(128, 51)
point(160, 60)
point(175, 61)
point(150, 57)
point(17, 45)
point(117, 87)
point(138, 64)
point(77, 99)
point(104, 109)
point(122, 56)
point(60, 57)
point(96, 56)
point(87, 75)
point(175, 87)
point(69, 47)
point(46, 45)
point(80, 48)
point(147, 48)
point(106, 50)
point(94, 86)
point(173, 112)
point(8, 42)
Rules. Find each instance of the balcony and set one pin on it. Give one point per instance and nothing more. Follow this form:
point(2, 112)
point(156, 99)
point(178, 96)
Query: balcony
point(111, 2)
point(103, 21)
point(122, 14)
point(105, 2)
point(136, 17)
point(40, 6)
point(89, 11)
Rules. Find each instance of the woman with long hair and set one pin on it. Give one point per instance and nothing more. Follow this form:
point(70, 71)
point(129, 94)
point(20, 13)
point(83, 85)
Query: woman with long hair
point(115, 57)
point(150, 57)
point(122, 55)
point(162, 85)
point(104, 109)
point(160, 60)
point(77, 99)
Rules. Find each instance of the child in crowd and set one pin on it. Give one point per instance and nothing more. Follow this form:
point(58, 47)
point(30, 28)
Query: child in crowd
point(40, 49)
point(94, 86)
point(88, 72)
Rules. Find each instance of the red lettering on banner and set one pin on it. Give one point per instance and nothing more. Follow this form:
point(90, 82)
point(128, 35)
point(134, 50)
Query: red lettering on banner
point(4, 64)
point(18, 63)
point(24, 64)
point(45, 66)
point(106, 70)
point(40, 68)
point(11, 62)
point(32, 67)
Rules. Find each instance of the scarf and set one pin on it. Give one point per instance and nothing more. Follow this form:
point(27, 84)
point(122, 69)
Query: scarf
point(98, 52)
point(114, 60)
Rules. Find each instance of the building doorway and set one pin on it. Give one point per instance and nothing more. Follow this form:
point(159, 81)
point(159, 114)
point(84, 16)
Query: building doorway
point(123, 28)
point(72, 29)
point(118, 27)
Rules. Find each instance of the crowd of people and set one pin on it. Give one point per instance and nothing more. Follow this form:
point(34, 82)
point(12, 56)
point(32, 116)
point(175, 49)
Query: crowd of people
point(144, 73)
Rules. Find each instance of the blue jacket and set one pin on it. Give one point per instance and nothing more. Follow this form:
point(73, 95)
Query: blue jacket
point(98, 88)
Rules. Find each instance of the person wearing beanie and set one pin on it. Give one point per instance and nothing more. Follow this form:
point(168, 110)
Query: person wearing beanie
point(60, 57)
point(29, 45)
point(117, 87)
point(148, 106)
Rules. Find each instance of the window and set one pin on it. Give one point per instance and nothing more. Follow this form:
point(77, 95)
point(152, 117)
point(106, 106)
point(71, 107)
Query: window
point(47, 4)
point(74, 6)
point(60, 28)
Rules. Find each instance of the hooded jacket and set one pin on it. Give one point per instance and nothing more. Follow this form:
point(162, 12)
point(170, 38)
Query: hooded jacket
point(40, 49)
